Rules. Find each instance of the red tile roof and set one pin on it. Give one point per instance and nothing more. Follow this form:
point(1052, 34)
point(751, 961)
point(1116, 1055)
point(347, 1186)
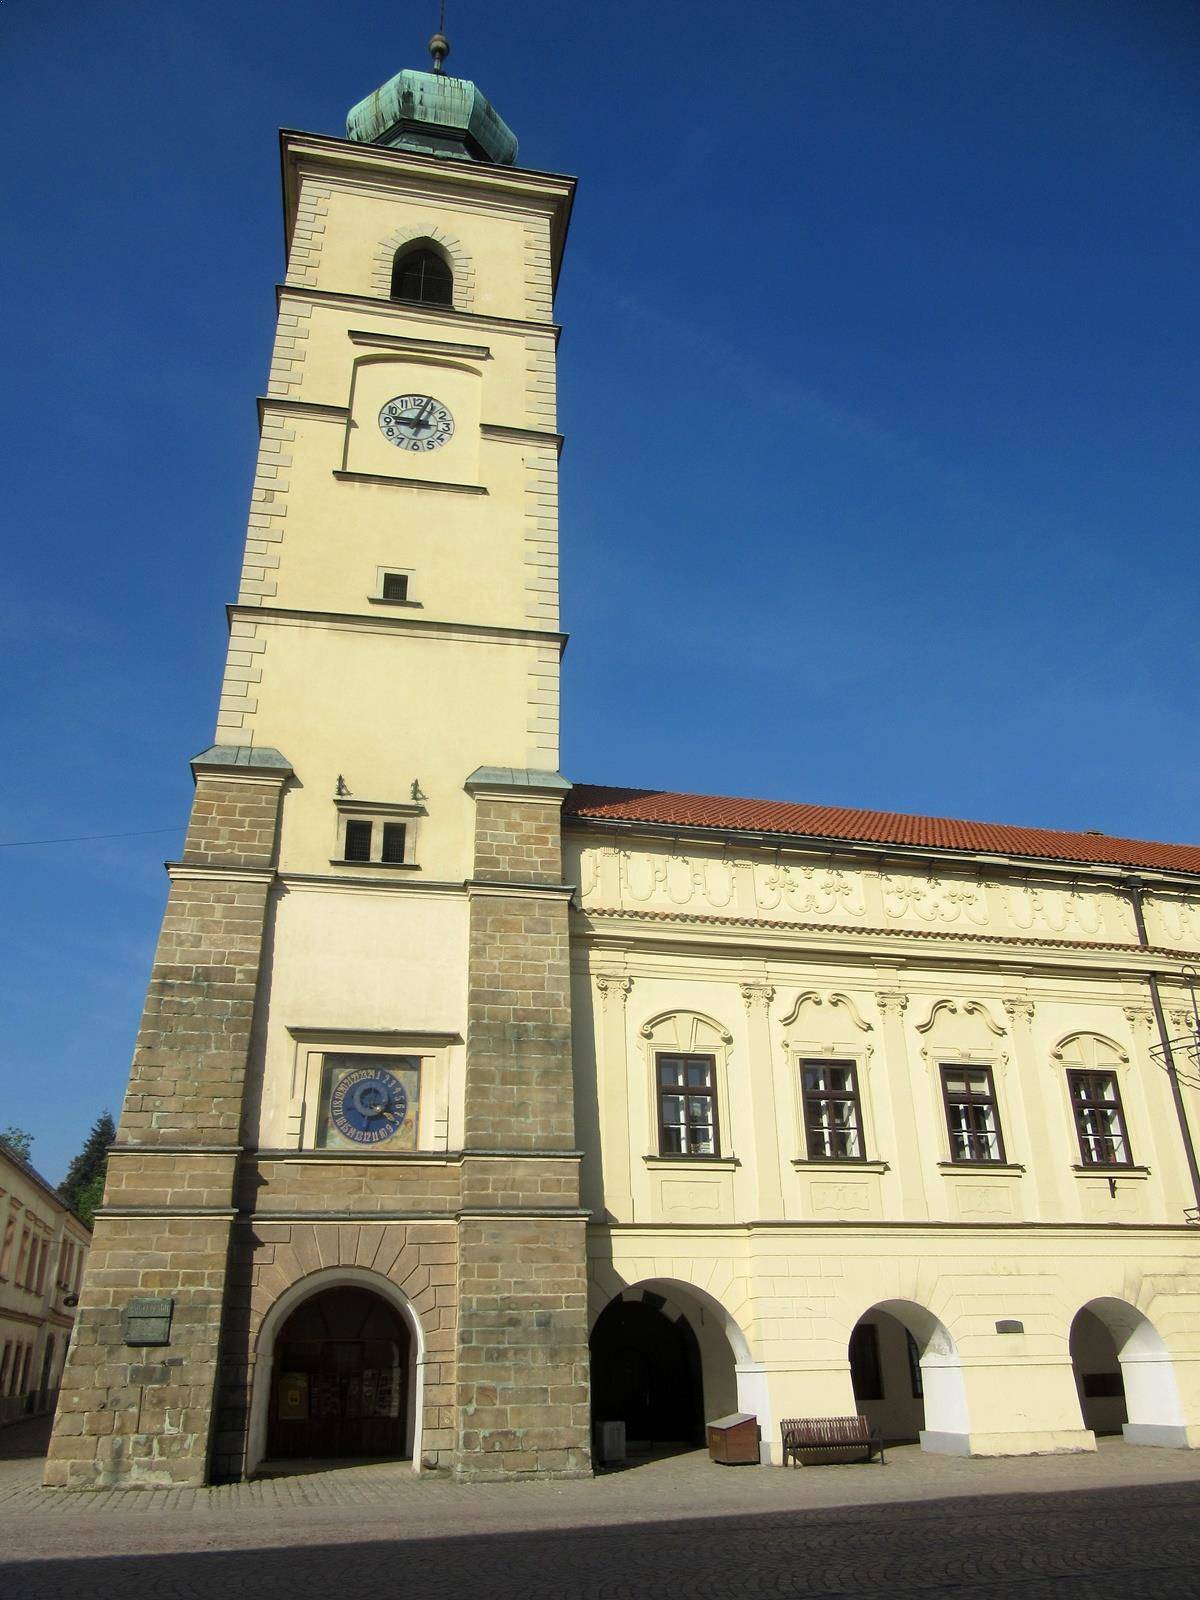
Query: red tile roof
point(592, 801)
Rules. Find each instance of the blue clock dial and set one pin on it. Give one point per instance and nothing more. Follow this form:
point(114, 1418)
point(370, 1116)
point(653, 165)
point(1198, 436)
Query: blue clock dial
point(368, 1106)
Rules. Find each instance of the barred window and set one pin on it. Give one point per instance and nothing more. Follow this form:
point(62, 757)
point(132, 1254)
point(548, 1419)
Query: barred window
point(393, 842)
point(971, 1115)
point(358, 841)
point(687, 1106)
point(832, 1114)
point(1099, 1119)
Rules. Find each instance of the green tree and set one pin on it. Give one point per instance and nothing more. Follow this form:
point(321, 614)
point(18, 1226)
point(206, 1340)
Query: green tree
point(83, 1186)
point(18, 1141)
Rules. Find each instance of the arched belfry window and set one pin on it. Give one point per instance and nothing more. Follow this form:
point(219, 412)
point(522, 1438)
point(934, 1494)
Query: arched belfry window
point(421, 273)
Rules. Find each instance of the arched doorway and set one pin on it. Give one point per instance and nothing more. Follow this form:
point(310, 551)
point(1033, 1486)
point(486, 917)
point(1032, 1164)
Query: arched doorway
point(907, 1377)
point(339, 1379)
point(1124, 1375)
point(646, 1373)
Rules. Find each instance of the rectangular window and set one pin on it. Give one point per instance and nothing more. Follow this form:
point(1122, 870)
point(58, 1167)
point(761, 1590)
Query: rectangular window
point(4, 1361)
point(6, 1253)
point(395, 586)
point(1099, 1120)
point(358, 841)
point(1103, 1386)
point(687, 1106)
point(22, 1259)
point(393, 842)
point(39, 1282)
point(832, 1115)
point(971, 1116)
point(866, 1373)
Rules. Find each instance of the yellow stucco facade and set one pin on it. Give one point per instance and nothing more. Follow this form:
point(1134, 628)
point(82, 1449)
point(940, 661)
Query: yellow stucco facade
point(43, 1248)
point(767, 956)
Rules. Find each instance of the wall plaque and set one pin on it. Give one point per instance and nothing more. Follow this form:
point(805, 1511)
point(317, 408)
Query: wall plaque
point(148, 1321)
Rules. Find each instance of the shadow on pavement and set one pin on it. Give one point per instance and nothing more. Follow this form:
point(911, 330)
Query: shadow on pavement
point(1084, 1545)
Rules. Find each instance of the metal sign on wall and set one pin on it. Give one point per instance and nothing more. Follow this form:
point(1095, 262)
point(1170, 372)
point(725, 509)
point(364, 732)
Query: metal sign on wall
point(148, 1321)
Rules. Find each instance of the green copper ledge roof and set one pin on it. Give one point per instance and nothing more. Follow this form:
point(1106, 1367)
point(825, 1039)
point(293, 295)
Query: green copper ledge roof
point(516, 778)
point(439, 115)
point(261, 756)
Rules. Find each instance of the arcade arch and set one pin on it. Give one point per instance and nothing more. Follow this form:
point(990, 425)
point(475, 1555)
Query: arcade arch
point(1124, 1374)
point(907, 1376)
point(666, 1358)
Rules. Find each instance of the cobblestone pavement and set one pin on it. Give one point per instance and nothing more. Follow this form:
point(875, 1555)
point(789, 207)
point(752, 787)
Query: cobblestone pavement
point(1121, 1523)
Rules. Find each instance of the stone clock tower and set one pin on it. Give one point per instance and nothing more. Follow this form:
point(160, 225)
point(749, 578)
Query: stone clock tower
point(342, 1212)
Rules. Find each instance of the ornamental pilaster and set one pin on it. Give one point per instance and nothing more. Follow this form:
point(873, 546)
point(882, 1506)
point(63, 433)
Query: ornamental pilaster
point(908, 1158)
point(768, 1157)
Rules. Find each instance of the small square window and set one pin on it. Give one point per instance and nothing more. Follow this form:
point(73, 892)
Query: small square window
point(358, 841)
point(395, 585)
point(377, 835)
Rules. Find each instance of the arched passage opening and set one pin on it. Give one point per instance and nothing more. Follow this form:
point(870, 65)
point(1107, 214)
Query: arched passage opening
point(907, 1377)
point(1124, 1375)
point(339, 1380)
point(665, 1359)
point(336, 1326)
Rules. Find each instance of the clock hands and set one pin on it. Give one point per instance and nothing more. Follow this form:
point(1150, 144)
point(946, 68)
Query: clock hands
point(418, 423)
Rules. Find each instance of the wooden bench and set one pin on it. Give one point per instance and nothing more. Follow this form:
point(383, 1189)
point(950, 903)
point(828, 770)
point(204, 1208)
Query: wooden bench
point(829, 1433)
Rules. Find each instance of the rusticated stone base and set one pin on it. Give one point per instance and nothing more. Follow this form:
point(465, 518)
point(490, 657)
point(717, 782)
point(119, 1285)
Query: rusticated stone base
point(522, 1349)
point(141, 1416)
point(136, 1416)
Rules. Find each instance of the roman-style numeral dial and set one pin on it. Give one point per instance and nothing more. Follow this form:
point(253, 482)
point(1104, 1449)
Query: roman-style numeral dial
point(416, 422)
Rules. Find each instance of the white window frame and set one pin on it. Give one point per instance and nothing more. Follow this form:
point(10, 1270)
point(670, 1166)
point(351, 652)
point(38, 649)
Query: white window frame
point(859, 1056)
point(378, 812)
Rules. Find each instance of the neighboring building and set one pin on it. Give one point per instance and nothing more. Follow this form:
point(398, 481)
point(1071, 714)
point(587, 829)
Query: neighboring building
point(866, 1107)
point(43, 1246)
point(878, 1104)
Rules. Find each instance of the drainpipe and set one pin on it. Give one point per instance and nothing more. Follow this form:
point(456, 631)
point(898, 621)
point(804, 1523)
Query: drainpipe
point(1134, 886)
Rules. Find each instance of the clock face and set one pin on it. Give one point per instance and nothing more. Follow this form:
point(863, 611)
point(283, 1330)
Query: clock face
point(368, 1106)
point(416, 422)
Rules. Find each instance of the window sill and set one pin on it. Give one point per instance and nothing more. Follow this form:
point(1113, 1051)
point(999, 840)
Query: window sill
point(1111, 1172)
point(383, 866)
point(1013, 1169)
point(837, 1164)
point(692, 1161)
point(383, 600)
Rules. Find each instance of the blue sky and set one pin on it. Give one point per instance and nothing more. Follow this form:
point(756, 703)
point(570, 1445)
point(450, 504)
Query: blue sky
point(879, 381)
